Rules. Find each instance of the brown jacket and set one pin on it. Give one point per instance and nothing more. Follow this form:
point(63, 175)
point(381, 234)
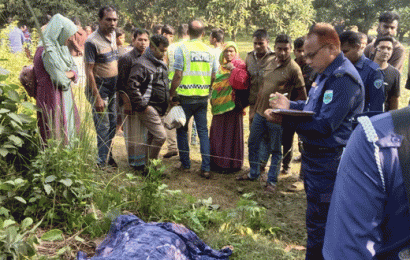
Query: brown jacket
point(256, 69)
point(76, 43)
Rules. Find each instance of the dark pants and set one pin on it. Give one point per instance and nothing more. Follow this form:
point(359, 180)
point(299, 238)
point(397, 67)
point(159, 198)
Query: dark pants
point(287, 143)
point(319, 170)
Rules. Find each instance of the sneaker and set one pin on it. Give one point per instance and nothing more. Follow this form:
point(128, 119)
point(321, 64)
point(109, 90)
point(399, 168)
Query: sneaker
point(270, 188)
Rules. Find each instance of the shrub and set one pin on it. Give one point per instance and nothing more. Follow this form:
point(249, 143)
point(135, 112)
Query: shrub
point(18, 127)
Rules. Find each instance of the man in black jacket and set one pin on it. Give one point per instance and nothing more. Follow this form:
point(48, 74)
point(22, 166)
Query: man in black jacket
point(148, 92)
point(134, 132)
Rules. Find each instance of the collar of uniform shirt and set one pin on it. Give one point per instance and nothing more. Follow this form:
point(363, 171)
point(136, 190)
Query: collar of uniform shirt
point(334, 65)
point(360, 63)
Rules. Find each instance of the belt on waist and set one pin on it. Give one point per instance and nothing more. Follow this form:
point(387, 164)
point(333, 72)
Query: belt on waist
point(320, 149)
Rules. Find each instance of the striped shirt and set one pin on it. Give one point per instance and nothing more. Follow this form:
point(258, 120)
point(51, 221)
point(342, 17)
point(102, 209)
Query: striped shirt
point(103, 53)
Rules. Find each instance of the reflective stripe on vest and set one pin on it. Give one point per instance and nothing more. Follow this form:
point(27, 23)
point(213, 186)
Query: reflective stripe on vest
point(197, 69)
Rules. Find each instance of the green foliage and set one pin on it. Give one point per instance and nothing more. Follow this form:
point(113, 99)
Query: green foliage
point(18, 127)
point(404, 21)
point(360, 13)
point(17, 241)
point(13, 62)
point(149, 198)
point(292, 17)
point(52, 235)
point(57, 187)
point(230, 15)
point(18, 10)
point(279, 16)
point(18, 136)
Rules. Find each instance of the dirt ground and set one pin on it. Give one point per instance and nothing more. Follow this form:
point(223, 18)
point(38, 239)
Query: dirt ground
point(285, 209)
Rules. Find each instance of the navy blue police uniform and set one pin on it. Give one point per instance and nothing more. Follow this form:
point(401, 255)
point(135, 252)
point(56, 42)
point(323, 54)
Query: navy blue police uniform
point(336, 96)
point(373, 79)
point(369, 214)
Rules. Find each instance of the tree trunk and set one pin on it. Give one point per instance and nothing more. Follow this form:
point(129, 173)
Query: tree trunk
point(234, 35)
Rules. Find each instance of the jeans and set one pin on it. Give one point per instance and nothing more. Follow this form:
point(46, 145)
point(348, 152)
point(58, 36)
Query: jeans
point(264, 150)
point(105, 124)
point(258, 127)
point(287, 143)
point(198, 110)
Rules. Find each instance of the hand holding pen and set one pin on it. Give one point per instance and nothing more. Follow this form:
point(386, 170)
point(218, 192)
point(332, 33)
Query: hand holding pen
point(277, 100)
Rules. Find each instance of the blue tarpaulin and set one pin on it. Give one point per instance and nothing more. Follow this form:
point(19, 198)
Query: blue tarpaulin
point(131, 238)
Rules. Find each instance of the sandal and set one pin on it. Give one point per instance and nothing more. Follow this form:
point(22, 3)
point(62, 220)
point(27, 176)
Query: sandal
point(244, 177)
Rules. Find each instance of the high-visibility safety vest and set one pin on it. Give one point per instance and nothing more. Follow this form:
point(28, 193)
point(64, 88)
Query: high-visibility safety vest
point(197, 71)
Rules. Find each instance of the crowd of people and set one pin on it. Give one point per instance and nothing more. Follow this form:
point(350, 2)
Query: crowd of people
point(334, 81)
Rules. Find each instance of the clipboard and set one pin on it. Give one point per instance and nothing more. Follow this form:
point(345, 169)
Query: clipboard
point(293, 112)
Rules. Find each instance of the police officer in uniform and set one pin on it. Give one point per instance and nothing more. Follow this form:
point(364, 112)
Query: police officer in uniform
point(369, 71)
point(195, 69)
point(336, 96)
point(369, 214)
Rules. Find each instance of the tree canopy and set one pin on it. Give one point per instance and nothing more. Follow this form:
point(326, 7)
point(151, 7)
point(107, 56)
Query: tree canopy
point(233, 16)
point(292, 17)
point(360, 13)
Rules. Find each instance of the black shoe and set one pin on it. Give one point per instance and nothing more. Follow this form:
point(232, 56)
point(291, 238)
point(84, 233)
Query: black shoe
point(205, 174)
point(112, 163)
point(170, 154)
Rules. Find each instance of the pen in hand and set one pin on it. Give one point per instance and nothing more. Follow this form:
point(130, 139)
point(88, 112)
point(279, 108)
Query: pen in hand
point(276, 97)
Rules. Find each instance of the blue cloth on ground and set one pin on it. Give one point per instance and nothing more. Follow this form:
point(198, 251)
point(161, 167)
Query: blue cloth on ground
point(131, 238)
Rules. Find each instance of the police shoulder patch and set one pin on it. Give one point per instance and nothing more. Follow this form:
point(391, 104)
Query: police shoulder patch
point(328, 96)
point(378, 83)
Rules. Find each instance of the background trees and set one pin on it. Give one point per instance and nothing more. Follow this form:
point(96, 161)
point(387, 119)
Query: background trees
point(234, 16)
point(360, 13)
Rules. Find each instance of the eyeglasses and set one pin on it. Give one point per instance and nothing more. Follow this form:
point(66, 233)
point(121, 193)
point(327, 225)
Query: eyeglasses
point(313, 54)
